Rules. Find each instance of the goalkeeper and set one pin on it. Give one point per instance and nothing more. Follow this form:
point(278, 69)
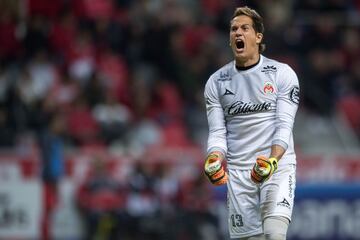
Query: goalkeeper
point(251, 104)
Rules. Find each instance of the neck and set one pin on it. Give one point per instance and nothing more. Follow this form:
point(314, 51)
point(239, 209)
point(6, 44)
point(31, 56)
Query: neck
point(248, 62)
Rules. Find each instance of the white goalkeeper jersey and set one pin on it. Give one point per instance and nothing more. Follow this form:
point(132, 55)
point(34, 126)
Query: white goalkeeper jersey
point(250, 110)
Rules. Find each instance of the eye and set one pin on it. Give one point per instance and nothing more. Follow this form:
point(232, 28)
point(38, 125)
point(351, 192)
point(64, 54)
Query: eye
point(234, 28)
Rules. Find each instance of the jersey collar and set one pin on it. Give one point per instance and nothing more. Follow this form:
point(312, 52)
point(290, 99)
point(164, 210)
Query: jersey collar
point(252, 68)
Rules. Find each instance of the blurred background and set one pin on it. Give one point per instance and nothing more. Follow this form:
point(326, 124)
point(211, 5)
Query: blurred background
point(103, 127)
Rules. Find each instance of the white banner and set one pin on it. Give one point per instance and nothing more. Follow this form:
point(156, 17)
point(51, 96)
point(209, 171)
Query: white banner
point(20, 209)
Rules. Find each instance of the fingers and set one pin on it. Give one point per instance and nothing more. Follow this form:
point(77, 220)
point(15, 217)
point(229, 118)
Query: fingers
point(256, 177)
point(222, 181)
point(261, 157)
point(217, 177)
point(212, 167)
point(263, 166)
point(261, 170)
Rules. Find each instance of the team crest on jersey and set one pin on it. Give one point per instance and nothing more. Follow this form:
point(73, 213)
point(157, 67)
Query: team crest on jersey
point(268, 88)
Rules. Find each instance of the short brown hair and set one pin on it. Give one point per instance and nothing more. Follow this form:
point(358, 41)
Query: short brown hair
point(258, 22)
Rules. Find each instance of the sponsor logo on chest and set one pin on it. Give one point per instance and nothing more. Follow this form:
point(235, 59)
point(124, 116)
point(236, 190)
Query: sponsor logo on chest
point(240, 107)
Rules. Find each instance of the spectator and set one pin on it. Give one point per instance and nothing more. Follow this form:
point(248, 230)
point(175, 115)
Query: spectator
point(195, 199)
point(112, 117)
point(7, 138)
point(82, 126)
point(101, 200)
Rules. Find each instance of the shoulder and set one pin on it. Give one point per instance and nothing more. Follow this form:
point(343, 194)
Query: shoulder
point(282, 70)
point(272, 65)
point(224, 73)
point(275, 66)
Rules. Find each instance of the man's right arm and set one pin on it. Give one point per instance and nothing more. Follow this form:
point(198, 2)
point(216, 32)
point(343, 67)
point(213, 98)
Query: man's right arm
point(216, 120)
point(217, 146)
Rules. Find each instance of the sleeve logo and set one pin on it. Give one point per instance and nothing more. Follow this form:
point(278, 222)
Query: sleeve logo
point(294, 95)
point(224, 76)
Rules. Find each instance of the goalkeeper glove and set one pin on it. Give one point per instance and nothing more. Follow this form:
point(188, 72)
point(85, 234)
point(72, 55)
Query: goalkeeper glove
point(263, 169)
point(214, 169)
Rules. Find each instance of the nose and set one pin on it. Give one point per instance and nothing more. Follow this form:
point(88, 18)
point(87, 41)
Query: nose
point(238, 32)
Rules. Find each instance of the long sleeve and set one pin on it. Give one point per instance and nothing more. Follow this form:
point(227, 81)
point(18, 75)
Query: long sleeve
point(216, 120)
point(287, 105)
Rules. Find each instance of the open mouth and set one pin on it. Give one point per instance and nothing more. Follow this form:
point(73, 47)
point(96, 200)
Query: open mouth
point(239, 44)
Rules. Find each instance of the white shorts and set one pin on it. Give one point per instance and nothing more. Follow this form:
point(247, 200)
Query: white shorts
point(249, 204)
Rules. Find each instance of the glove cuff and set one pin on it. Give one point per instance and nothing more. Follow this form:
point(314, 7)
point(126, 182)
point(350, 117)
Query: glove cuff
point(274, 162)
point(217, 154)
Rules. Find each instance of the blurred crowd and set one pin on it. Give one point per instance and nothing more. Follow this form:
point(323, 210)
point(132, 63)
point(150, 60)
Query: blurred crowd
point(128, 75)
point(152, 203)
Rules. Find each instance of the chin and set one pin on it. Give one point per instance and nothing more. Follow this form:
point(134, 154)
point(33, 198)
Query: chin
point(241, 56)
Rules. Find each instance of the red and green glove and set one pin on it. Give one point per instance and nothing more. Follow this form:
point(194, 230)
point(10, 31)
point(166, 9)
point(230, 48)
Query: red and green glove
point(263, 169)
point(214, 170)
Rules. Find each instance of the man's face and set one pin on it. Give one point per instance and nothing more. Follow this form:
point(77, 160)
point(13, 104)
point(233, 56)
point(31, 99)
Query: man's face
point(244, 41)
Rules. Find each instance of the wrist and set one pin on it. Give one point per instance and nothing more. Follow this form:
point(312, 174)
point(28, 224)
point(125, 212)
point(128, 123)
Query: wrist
point(217, 150)
point(218, 155)
point(273, 158)
point(274, 161)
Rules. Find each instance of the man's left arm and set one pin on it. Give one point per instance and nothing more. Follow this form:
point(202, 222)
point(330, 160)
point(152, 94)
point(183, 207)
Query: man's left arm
point(287, 105)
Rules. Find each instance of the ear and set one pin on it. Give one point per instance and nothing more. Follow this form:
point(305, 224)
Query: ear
point(259, 37)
